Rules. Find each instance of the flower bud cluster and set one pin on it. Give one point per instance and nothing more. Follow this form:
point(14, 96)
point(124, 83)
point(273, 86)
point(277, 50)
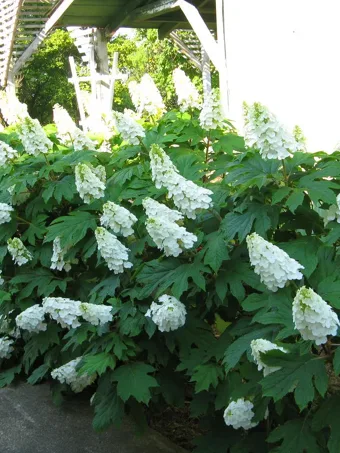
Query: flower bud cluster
point(33, 136)
point(211, 116)
point(165, 232)
point(57, 260)
point(90, 181)
point(187, 94)
point(68, 374)
point(188, 197)
point(168, 314)
point(273, 265)
point(264, 132)
point(5, 213)
point(128, 128)
point(313, 317)
point(18, 251)
point(260, 346)
point(32, 319)
point(118, 219)
point(112, 251)
point(239, 414)
point(146, 97)
point(7, 153)
point(6, 347)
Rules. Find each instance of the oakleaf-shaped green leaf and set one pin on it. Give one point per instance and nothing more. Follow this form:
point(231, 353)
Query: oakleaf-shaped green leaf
point(329, 415)
point(207, 375)
point(297, 437)
point(97, 363)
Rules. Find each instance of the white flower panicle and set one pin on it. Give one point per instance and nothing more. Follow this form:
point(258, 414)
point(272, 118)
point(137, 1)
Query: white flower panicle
point(90, 181)
point(64, 311)
point(5, 213)
point(7, 153)
point(263, 131)
point(146, 97)
point(211, 116)
point(168, 314)
point(33, 136)
point(188, 197)
point(155, 209)
point(164, 231)
point(118, 219)
point(313, 317)
point(96, 314)
point(273, 265)
point(112, 250)
point(187, 94)
point(128, 128)
point(68, 133)
point(239, 414)
point(18, 251)
point(68, 374)
point(6, 347)
point(11, 108)
point(32, 319)
point(260, 346)
point(57, 260)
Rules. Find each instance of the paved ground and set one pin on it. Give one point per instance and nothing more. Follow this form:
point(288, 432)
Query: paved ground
point(30, 423)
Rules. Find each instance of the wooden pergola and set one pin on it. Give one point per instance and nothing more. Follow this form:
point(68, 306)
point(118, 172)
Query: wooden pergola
point(24, 24)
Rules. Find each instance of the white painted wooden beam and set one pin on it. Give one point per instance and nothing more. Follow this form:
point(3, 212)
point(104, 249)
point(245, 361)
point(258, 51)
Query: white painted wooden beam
point(153, 9)
point(50, 23)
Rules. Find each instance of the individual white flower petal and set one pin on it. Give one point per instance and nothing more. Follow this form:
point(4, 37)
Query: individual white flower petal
point(168, 314)
point(5, 213)
point(96, 314)
point(118, 219)
point(211, 116)
point(7, 153)
point(128, 128)
point(239, 414)
point(187, 196)
point(187, 94)
point(90, 181)
point(273, 265)
point(146, 97)
point(6, 347)
point(112, 250)
point(64, 311)
point(32, 319)
point(264, 132)
point(33, 137)
point(260, 346)
point(69, 375)
point(18, 251)
point(313, 317)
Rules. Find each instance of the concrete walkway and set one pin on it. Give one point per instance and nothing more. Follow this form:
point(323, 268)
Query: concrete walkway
point(30, 423)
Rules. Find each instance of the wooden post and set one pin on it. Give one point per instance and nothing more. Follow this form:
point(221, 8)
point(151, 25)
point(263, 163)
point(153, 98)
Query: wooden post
point(102, 60)
point(222, 44)
point(114, 74)
point(78, 93)
point(206, 74)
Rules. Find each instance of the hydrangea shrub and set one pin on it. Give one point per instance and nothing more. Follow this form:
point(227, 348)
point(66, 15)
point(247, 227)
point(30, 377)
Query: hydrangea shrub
point(181, 268)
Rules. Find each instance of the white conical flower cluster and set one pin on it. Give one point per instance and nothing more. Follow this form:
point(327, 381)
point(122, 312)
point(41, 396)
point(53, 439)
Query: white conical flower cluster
point(313, 317)
point(7, 153)
point(260, 346)
point(168, 314)
point(263, 131)
point(68, 133)
point(239, 414)
point(57, 260)
point(128, 128)
point(68, 374)
point(6, 347)
point(18, 251)
point(146, 97)
point(96, 314)
point(90, 181)
point(32, 319)
point(332, 213)
point(118, 219)
point(273, 265)
point(5, 213)
point(187, 94)
point(164, 231)
point(211, 116)
point(115, 254)
point(188, 197)
point(11, 108)
point(33, 136)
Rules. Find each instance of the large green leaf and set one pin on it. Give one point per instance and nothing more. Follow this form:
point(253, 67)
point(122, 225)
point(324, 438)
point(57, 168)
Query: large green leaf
point(215, 250)
point(305, 251)
point(42, 279)
point(207, 375)
point(328, 415)
point(297, 437)
point(97, 363)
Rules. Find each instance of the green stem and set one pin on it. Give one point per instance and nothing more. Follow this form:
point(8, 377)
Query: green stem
point(284, 170)
point(23, 220)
